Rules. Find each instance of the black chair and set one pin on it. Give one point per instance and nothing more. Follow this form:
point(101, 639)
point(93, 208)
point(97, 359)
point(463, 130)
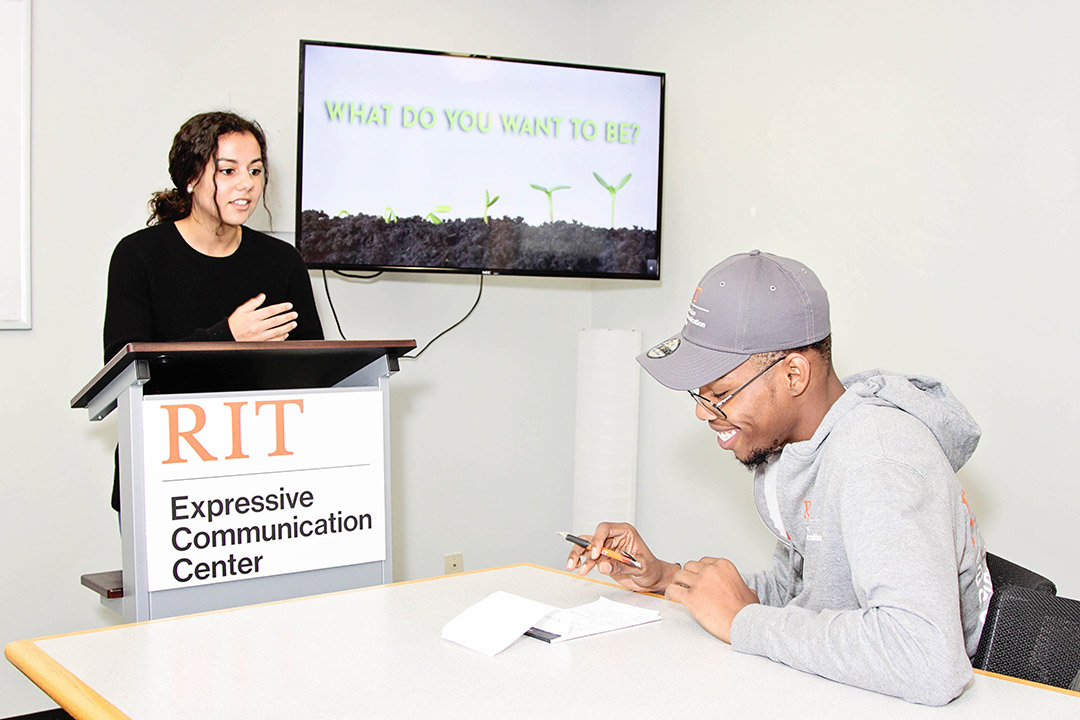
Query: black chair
point(1003, 572)
point(1030, 633)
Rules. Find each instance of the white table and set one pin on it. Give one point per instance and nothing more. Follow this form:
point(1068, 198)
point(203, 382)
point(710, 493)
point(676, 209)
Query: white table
point(376, 652)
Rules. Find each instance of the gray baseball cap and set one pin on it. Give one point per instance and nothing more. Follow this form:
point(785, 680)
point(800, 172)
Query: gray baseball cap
point(750, 303)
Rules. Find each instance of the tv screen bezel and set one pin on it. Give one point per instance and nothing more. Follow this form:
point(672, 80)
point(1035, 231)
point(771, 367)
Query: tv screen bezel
point(477, 271)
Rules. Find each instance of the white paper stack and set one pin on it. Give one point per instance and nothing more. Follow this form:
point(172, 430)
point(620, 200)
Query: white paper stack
point(493, 624)
point(597, 617)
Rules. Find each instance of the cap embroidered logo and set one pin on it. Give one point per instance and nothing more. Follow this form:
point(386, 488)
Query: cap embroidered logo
point(664, 349)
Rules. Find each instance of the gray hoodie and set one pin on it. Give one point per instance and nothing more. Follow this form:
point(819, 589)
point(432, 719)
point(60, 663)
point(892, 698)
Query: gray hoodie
point(879, 576)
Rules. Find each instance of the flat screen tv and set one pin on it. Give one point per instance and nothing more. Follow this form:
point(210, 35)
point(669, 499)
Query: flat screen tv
point(427, 161)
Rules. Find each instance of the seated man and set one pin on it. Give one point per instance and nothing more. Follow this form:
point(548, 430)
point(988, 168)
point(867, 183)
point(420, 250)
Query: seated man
point(879, 576)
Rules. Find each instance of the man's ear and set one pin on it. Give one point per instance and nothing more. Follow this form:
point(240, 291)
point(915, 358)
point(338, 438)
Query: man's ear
point(797, 372)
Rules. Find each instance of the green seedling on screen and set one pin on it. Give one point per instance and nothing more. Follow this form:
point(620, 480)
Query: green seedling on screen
point(488, 202)
point(612, 190)
point(389, 215)
point(551, 207)
point(344, 213)
point(437, 209)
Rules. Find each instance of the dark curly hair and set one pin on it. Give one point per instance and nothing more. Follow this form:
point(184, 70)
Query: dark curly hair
point(822, 347)
point(195, 145)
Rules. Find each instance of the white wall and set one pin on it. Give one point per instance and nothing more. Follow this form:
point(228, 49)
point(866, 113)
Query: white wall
point(921, 156)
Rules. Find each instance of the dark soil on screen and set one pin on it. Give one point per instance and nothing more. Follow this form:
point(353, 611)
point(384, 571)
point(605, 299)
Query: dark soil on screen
point(502, 244)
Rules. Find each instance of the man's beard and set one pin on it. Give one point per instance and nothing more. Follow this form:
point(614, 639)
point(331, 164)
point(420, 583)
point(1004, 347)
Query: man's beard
point(759, 456)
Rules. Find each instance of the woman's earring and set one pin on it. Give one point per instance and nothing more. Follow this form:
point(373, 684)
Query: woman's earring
point(190, 188)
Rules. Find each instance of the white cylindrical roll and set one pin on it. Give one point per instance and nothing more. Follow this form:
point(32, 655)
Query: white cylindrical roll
point(606, 428)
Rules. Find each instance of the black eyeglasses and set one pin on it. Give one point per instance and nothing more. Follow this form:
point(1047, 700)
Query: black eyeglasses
point(715, 409)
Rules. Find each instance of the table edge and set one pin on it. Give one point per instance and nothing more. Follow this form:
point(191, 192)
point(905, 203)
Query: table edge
point(1032, 683)
point(76, 697)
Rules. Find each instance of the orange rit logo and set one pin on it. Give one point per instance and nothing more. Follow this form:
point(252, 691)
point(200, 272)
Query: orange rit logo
point(806, 508)
point(971, 515)
point(697, 294)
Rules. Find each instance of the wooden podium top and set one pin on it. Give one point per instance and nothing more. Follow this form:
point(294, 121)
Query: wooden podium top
point(182, 367)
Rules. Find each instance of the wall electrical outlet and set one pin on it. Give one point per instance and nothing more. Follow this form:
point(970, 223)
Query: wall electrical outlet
point(453, 563)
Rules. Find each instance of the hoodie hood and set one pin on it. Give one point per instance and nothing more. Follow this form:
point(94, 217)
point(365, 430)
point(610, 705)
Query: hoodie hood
point(924, 398)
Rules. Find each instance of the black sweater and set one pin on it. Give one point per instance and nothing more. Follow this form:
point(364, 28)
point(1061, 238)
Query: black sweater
point(163, 290)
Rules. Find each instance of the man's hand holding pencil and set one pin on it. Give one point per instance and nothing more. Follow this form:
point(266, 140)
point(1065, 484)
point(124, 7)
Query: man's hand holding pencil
point(617, 550)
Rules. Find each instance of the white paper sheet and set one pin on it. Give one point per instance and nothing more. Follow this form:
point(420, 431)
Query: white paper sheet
point(493, 624)
point(597, 617)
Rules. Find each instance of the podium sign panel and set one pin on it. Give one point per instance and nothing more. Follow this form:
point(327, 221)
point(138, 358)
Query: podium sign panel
point(249, 472)
point(246, 485)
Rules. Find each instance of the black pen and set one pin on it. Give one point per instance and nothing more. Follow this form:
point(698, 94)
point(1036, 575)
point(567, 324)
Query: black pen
point(625, 558)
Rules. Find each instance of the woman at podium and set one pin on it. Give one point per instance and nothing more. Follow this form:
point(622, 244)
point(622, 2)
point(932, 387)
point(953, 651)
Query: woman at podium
point(196, 273)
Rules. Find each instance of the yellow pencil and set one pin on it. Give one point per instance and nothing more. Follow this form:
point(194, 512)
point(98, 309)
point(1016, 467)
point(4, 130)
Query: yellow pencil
point(625, 558)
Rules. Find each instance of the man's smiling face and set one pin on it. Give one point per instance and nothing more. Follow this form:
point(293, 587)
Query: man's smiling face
point(755, 425)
